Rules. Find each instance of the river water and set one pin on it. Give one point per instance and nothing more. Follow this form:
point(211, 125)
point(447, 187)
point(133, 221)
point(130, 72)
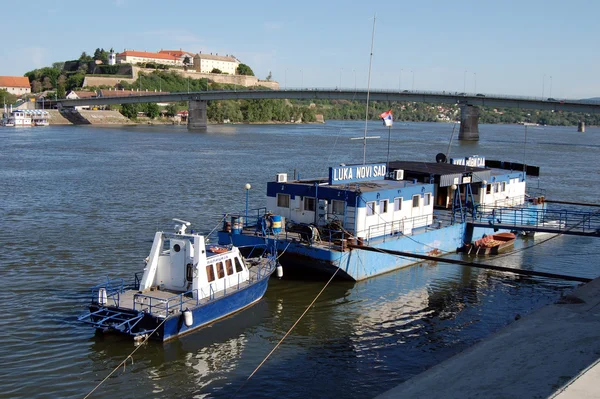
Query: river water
point(80, 203)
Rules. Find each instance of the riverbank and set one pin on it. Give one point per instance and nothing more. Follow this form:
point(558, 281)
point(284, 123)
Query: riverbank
point(553, 351)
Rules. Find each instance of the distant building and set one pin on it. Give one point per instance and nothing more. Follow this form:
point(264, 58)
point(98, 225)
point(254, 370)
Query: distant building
point(112, 57)
point(76, 95)
point(205, 63)
point(133, 57)
point(179, 54)
point(17, 85)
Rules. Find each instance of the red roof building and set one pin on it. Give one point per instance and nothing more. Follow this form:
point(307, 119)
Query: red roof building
point(17, 85)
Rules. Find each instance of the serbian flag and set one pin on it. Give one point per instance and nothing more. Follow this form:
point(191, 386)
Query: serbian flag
point(387, 117)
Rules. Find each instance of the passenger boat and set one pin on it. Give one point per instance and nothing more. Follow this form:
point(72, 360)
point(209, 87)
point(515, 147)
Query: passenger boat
point(345, 223)
point(490, 245)
point(25, 117)
point(185, 285)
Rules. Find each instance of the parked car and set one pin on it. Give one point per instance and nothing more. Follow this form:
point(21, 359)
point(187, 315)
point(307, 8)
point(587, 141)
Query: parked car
point(479, 95)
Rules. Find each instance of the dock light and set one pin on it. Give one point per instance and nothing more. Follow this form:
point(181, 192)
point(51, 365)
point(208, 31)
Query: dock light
point(247, 187)
point(454, 187)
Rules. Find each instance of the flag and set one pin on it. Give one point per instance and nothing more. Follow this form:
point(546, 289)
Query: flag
point(387, 117)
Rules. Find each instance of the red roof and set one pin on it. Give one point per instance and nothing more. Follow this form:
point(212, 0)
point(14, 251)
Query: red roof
point(146, 54)
point(14, 81)
point(176, 53)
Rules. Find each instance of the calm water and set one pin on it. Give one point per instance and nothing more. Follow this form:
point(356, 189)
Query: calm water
point(81, 203)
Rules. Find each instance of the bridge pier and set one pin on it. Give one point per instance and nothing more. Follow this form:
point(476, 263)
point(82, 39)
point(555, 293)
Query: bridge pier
point(581, 127)
point(469, 123)
point(197, 119)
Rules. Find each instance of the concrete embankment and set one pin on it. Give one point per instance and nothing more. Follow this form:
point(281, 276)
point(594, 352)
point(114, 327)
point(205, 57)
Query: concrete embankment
point(84, 117)
point(553, 351)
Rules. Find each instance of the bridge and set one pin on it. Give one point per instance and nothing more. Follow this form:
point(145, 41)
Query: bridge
point(468, 102)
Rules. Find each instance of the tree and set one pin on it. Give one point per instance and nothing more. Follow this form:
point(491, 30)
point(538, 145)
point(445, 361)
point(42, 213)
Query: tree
point(216, 70)
point(60, 91)
point(152, 110)
point(58, 65)
point(186, 61)
point(6, 97)
point(244, 69)
point(269, 76)
point(85, 58)
point(171, 110)
point(129, 110)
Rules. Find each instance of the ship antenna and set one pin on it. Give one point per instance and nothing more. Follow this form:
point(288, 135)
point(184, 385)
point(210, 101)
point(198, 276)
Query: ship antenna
point(368, 92)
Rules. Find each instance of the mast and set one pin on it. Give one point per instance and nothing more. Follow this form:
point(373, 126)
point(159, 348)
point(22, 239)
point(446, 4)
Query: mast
point(368, 92)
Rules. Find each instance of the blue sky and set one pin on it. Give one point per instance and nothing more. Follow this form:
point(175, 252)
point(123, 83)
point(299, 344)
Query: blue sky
point(528, 47)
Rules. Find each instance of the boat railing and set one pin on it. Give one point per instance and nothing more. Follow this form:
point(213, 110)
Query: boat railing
point(164, 306)
point(560, 219)
point(396, 227)
point(110, 290)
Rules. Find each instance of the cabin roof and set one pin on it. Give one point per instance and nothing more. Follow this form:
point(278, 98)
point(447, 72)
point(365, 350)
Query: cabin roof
point(363, 186)
point(434, 168)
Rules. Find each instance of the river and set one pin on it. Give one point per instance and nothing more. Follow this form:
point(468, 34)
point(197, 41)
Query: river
point(80, 203)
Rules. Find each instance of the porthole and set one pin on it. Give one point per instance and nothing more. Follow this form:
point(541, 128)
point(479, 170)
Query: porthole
point(176, 248)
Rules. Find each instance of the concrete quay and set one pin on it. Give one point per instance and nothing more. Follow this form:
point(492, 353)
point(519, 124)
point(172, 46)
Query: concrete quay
point(552, 352)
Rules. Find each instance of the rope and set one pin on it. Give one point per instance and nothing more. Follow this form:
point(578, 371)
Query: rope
point(287, 333)
point(125, 360)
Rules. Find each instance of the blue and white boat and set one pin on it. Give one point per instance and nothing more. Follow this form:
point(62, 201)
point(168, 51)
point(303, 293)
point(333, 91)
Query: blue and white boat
point(417, 207)
point(186, 284)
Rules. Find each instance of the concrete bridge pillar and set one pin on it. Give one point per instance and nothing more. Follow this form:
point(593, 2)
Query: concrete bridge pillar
point(581, 127)
point(469, 123)
point(197, 115)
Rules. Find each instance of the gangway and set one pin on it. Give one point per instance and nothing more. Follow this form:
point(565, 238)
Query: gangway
point(561, 221)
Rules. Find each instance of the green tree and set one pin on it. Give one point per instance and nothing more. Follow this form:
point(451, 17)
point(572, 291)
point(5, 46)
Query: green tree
point(130, 110)
point(152, 110)
point(269, 76)
point(171, 110)
point(60, 91)
point(7, 98)
point(216, 70)
point(244, 69)
point(85, 58)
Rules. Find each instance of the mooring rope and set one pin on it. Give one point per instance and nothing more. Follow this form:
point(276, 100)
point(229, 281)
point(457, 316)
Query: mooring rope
point(287, 333)
point(124, 362)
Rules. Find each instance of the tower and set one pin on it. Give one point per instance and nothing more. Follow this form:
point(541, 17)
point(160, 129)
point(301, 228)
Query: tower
point(112, 57)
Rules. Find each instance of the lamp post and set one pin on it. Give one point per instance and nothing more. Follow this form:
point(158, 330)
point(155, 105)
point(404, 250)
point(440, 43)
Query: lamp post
point(475, 82)
point(247, 187)
point(465, 82)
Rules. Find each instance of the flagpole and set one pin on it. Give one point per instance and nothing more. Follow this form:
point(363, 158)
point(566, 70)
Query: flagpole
point(368, 92)
point(387, 162)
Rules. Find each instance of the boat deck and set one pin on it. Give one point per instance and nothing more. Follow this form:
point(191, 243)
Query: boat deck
point(159, 302)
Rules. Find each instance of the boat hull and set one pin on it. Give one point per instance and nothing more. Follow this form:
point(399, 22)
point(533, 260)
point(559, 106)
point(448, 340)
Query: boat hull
point(353, 264)
point(202, 315)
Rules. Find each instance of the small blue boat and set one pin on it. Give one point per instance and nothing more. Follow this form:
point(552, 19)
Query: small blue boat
point(186, 284)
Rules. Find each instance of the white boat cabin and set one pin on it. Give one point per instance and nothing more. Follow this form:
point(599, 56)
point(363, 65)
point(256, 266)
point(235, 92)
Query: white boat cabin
point(362, 199)
point(181, 262)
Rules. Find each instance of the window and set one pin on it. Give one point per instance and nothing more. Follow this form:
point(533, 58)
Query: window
point(503, 187)
point(383, 206)
point(338, 207)
point(229, 267)
point(370, 208)
point(238, 265)
point(416, 200)
point(210, 273)
point(283, 200)
point(220, 270)
point(427, 199)
point(398, 204)
point(309, 204)
point(488, 189)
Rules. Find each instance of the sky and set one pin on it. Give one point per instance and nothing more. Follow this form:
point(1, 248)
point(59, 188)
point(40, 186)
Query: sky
point(536, 48)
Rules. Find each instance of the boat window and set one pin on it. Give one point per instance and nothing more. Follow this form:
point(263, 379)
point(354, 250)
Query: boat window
point(416, 201)
point(283, 200)
point(427, 199)
point(338, 207)
point(229, 267)
point(398, 204)
point(370, 208)
point(475, 189)
point(488, 189)
point(383, 206)
point(210, 273)
point(309, 204)
point(238, 265)
point(503, 187)
point(220, 270)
